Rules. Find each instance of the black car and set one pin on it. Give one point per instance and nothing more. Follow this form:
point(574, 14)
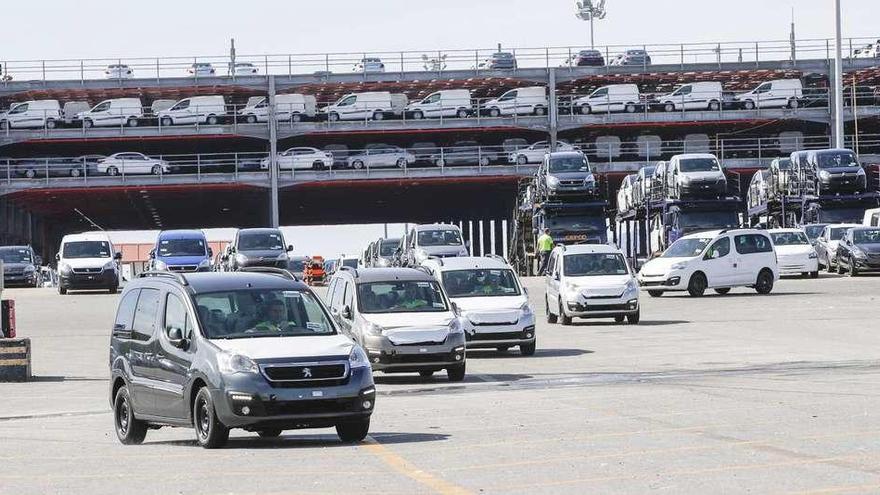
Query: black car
point(257, 247)
point(835, 171)
point(21, 266)
point(465, 153)
point(586, 58)
point(859, 251)
point(255, 350)
point(499, 61)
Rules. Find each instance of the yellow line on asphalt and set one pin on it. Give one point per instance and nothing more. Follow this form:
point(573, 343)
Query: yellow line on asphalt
point(406, 468)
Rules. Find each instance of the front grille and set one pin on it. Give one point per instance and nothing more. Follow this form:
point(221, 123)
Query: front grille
point(653, 284)
point(607, 307)
point(87, 270)
point(306, 372)
point(495, 336)
point(183, 268)
point(590, 298)
point(417, 358)
point(319, 406)
point(571, 183)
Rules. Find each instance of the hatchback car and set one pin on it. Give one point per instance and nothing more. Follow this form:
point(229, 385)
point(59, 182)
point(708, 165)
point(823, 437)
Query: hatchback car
point(257, 247)
point(859, 251)
point(21, 266)
point(585, 58)
point(718, 260)
point(200, 69)
point(488, 294)
point(827, 242)
point(216, 351)
point(590, 281)
point(402, 318)
point(795, 254)
point(565, 174)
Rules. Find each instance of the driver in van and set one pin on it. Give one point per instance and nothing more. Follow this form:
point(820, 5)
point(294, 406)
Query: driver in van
point(276, 317)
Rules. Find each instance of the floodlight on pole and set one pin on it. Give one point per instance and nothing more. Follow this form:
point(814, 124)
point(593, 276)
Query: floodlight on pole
point(587, 11)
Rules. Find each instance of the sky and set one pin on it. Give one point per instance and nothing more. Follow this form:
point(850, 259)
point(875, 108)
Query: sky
point(164, 28)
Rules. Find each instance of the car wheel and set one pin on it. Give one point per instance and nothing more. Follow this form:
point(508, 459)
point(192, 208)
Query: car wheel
point(697, 285)
point(655, 293)
point(634, 318)
point(157, 170)
point(426, 373)
point(353, 431)
point(793, 103)
point(764, 284)
point(714, 106)
point(62, 290)
point(462, 113)
point(539, 111)
point(619, 319)
point(749, 105)
point(30, 173)
point(853, 271)
point(440, 162)
point(132, 122)
point(814, 274)
point(494, 112)
point(528, 349)
point(251, 119)
point(210, 432)
point(586, 110)
point(484, 161)
point(378, 115)
point(296, 118)
point(564, 319)
point(521, 160)
point(723, 291)
point(401, 163)
point(112, 171)
point(456, 373)
point(669, 107)
point(840, 269)
point(129, 430)
point(418, 115)
point(211, 120)
point(113, 289)
point(551, 318)
point(357, 164)
point(50, 124)
point(828, 266)
point(333, 117)
point(269, 433)
point(88, 124)
point(75, 172)
point(167, 122)
point(630, 108)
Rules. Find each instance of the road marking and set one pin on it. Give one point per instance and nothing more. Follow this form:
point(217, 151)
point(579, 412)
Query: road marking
point(404, 467)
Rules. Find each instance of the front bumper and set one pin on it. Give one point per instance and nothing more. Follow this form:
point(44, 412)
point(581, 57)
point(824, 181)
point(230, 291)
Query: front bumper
point(843, 183)
point(579, 190)
point(667, 281)
point(604, 307)
point(19, 279)
point(870, 264)
point(490, 336)
point(99, 280)
point(703, 189)
point(797, 266)
point(390, 358)
point(290, 408)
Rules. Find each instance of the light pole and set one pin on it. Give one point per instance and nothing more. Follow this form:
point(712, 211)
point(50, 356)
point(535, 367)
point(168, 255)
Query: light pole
point(838, 79)
point(586, 11)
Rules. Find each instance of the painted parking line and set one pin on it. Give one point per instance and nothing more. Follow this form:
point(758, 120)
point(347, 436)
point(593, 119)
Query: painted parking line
point(407, 469)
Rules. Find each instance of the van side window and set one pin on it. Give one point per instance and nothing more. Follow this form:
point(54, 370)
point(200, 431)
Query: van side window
point(348, 298)
point(176, 315)
point(600, 93)
point(752, 243)
point(330, 290)
point(145, 314)
point(125, 313)
point(721, 247)
point(338, 294)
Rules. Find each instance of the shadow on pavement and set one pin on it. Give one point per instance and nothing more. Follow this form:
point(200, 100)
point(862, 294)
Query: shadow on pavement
point(514, 353)
point(291, 440)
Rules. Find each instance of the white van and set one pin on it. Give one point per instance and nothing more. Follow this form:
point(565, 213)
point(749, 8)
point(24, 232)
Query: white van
point(113, 112)
point(194, 110)
point(32, 114)
point(778, 93)
point(697, 175)
point(445, 103)
point(613, 98)
point(521, 101)
point(72, 109)
point(872, 217)
point(373, 105)
point(294, 107)
point(693, 96)
point(87, 261)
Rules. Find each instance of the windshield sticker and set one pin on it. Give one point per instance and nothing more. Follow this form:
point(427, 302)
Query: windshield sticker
point(424, 285)
point(438, 305)
point(316, 326)
point(291, 293)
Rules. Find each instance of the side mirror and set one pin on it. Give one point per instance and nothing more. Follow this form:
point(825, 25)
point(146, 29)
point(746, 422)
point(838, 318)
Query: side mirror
point(346, 312)
point(38, 260)
point(455, 309)
point(152, 253)
point(117, 256)
point(467, 244)
point(289, 247)
point(175, 338)
point(556, 276)
point(210, 253)
point(58, 257)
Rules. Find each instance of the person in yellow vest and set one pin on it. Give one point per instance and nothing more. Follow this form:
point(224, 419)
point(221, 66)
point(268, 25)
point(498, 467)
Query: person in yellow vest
point(545, 246)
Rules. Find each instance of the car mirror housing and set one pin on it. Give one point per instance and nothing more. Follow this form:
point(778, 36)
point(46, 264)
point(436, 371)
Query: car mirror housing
point(117, 256)
point(346, 312)
point(175, 338)
point(290, 247)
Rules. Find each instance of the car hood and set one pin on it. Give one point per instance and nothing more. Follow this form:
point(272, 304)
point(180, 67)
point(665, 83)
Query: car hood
point(413, 328)
point(182, 260)
point(704, 176)
point(872, 248)
point(86, 262)
point(600, 285)
point(794, 250)
point(261, 253)
point(841, 170)
point(658, 266)
point(571, 175)
point(288, 347)
point(16, 267)
point(442, 250)
point(489, 304)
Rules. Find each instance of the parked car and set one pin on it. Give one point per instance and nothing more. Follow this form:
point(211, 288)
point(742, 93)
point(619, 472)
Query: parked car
point(835, 171)
point(706, 95)
point(490, 297)
point(369, 65)
point(435, 240)
point(361, 106)
point(718, 260)
point(21, 266)
point(759, 189)
point(113, 112)
point(871, 217)
point(625, 193)
point(859, 251)
point(632, 57)
point(644, 184)
point(32, 114)
point(813, 231)
point(118, 71)
point(402, 318)
point(443, 103)
point(590, 281)
point(828, 241)
point(259, 247)
point(536, 152)
point(291, 107)
point(195, 110)
point(697, 175)
point(234, 350)
point(465, 153)
point(565, 174)
point(780, 177)
point(181, 251)
point(612, 98)
point(498, 61)
point(385, 252)
point(425, 152)
point(87, 261)
point(778, 93)
point(521, 101)
point(131, 163)
point(585, 58)
point(301, 159)
point(200, 69)
point(381, 157)
point(245, 69)
point(794, 253)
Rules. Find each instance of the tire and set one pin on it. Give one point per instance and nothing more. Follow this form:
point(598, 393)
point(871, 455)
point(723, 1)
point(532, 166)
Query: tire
point(88, 124)
point(764, 283)
point(853, 271)
point(296, 118)
point(418, 115)
point(129, 430)
point(211, 120)
point(62, 290)
point(697, 285)
point(269, 433)
point(586, 110)
point(251, 119)
point(30, 173)
point(357, 164)
point(749, 105)
point(50, 124)
point(494, 112)
point(655, 293)
point(353, 431)
point(456, 373)
point(462, 113)
point(840, 270)
point(75, 172)
point(714, 106)
point(564, 319)
point(157, 170)
point(521, 160)
point(112, 171)
point(378, 116)
point(828, 266)
point(630, 108)
point(669, 107)
point(113, 290)
point(634, 318)
point(401, 163)
point(132, 122)
point(167, 122)
point(619, 319)
point(333, 117)
point(539, 111)
point(528, 349)
point(551, 318)
point(814, 274)
point(793, 103)
point(426, 373)
point(484, 161)
point(723, 291)
point(210, 432)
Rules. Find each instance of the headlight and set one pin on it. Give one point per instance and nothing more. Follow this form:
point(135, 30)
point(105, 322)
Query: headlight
point(813, 255)
point(160, 265)
point(358, 358)
point(110, 265)
point(64, 268)
point(283, 257)
point(858, 253)
point(552, 181)
point(526, 309)
point(861, 171)
point(455, 326)
point(421, 253)
point(824, 175)
point(631, 286)
point(205, 263)
point(230, 364)
point(679, 266)
point(373, 329)
point(241, 259)
point(571, 286)
point(29, 269)
point(684, 179)
point(463, 252)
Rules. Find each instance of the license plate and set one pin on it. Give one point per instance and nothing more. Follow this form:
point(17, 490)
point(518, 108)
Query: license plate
point(423, 350)
point(575, 238)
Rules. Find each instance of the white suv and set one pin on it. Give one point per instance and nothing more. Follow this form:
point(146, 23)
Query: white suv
point(795, 254)
point(590, 281)
point(487, 292)
point(719, 260)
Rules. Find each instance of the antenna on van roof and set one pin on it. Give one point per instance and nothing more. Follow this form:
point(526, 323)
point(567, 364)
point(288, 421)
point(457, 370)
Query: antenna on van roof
point(87, 219)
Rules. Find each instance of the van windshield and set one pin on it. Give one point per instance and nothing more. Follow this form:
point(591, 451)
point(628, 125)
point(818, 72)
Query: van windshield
point(246, 313)
point(445, 237)
point(837, 160)
point(401, 297)
point(253, 242)
point(388, 247)
point(15, 255)
point(814, 231)
point(594, 265)
point(866, 236)
point(480, 283)
point(699, 165)
point(86, 249)
point(182, 247)
point(790, 238)
point(571, 163)
point(687, 248)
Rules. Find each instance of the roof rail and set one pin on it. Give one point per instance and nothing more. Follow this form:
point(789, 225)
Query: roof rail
point(349, 269)
point(161, 274)
point(496, 257)
point(425, 269)
point(438, 259)
point(271, 271)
